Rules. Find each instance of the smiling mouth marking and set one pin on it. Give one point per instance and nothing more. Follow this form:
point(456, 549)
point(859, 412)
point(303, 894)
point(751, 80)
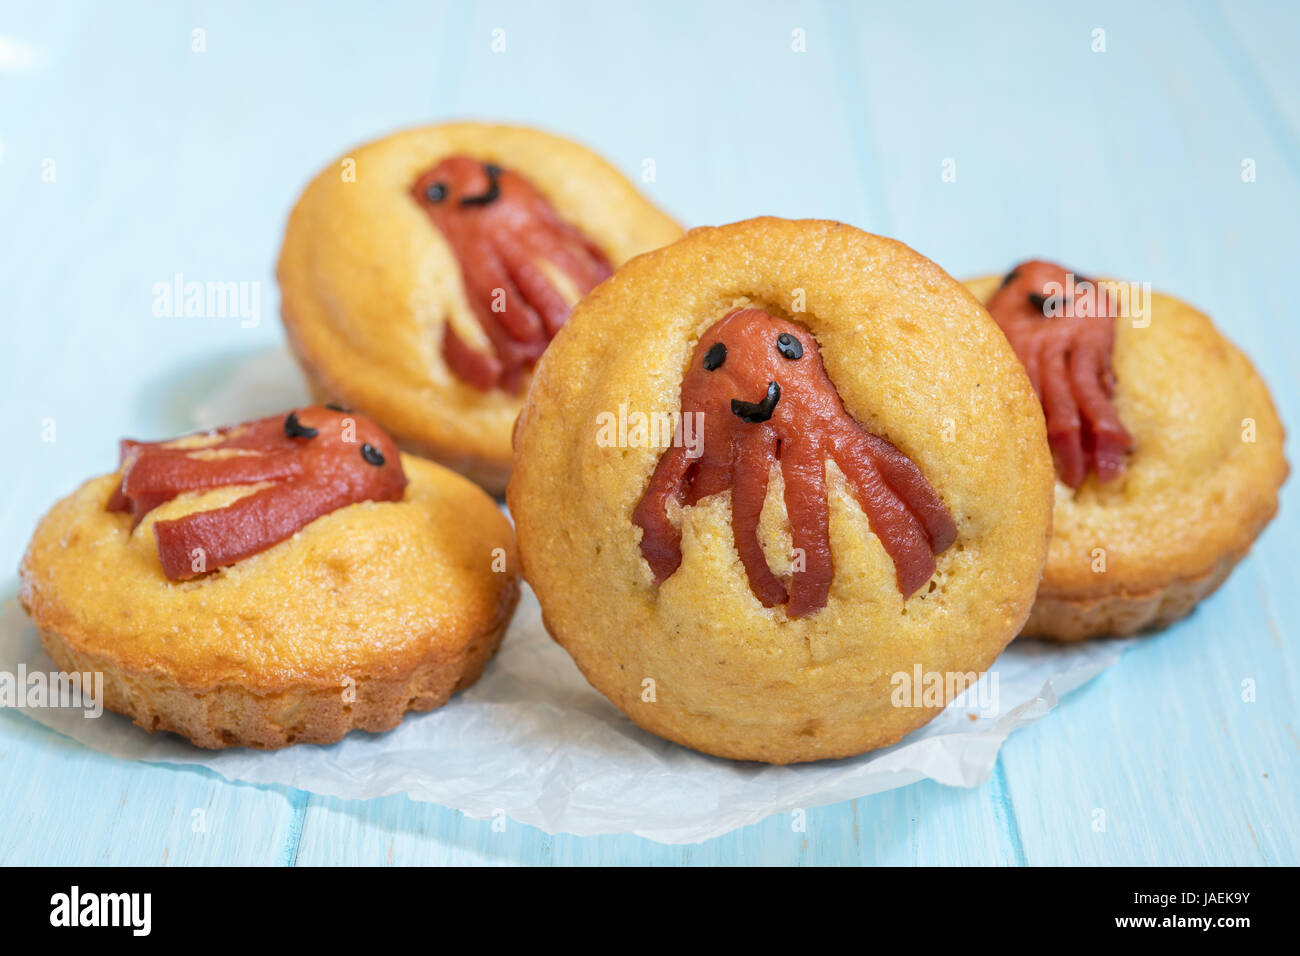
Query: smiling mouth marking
point(757, 412)
point(493, 192)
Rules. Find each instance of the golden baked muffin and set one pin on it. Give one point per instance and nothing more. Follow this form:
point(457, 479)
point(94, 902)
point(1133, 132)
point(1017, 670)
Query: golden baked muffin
point(281, 581)
point(1167, 446)
point(423, 274)
point(765, 474)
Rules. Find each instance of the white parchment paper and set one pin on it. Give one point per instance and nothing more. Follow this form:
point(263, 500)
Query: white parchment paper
point(533, 740)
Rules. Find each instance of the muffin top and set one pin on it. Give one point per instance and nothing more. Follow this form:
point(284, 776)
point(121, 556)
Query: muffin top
point(911, 358)
point(1201, 478)
point(356, 592)
point(383, 265)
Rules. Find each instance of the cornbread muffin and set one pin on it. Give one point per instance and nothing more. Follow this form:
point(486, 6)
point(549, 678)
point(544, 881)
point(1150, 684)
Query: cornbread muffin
point(855, 486)
point(1137, 548)
point(423, 274)
point(372, 608)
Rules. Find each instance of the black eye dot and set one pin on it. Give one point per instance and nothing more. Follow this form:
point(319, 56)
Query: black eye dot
point(715, 356)
point(436, 192)
point(372, 454)
point(789, 346)
point(337, 408)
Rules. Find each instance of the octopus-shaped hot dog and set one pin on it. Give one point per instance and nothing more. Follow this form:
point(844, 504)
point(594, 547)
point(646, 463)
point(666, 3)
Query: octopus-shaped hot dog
point(506, 236)
point(1066, 351)
point(766, 399)
point(313, 461)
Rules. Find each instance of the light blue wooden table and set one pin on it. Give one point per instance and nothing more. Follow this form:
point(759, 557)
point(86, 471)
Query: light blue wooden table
point(1126, 162)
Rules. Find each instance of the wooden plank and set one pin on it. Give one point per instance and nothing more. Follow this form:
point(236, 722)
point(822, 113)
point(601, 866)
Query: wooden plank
point(65, 804)
point(921, 823)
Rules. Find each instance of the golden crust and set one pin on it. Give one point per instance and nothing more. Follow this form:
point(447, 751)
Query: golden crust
point(367, 283)
point(915, 359)
point(1140, 552)
point(368, 612)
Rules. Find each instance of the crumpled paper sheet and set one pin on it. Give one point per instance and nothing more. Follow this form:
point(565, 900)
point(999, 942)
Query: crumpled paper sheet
point(533, 740)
